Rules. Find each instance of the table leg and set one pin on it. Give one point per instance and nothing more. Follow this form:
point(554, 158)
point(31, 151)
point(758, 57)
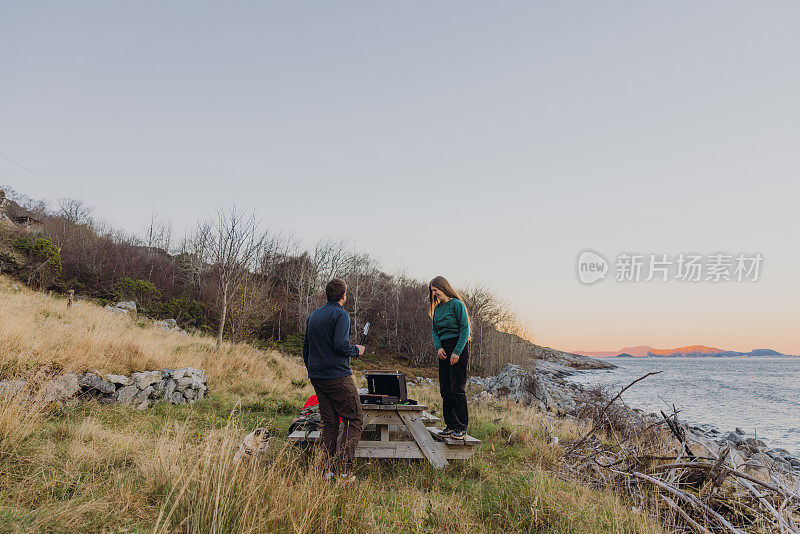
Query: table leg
point(423, 438)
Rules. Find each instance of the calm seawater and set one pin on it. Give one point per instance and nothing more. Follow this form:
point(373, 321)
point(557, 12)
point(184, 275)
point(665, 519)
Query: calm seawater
point(759, 395)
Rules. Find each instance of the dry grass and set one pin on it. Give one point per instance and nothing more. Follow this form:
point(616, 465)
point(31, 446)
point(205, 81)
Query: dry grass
point(20, 415)
point(39, 332)
point(94, 468)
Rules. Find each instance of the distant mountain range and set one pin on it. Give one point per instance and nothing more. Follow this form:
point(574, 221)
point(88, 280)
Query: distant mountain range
point(691, 351)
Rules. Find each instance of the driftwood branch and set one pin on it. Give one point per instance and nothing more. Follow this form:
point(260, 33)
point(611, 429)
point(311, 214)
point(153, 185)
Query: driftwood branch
point(598, 424)
point(686, 517)
point(693, 501)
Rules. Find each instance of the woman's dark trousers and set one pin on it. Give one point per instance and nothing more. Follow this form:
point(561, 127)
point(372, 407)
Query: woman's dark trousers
point(452, 384)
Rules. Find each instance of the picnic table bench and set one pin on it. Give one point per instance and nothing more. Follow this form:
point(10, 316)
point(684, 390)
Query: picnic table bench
point(426, 442)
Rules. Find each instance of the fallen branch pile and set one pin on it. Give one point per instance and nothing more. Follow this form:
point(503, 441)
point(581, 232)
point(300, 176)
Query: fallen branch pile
point(694, 485)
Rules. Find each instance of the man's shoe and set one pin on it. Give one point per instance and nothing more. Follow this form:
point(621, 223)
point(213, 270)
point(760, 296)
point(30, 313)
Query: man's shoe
point(446, 433)
point(459, 434)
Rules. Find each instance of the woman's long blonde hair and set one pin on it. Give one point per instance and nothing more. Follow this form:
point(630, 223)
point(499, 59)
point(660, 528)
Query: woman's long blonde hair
point(441, 283)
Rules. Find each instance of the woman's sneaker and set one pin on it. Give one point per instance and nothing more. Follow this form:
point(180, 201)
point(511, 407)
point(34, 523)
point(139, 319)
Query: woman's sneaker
point(459, 434)
point(446, 433)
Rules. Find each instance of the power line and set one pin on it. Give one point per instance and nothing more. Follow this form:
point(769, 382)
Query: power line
point(39, 176)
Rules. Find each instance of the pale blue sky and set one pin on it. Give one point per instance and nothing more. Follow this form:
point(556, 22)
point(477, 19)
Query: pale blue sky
point(482, 141)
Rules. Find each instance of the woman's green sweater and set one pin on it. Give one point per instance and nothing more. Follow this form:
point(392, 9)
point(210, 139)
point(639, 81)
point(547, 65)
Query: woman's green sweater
point(450, 322)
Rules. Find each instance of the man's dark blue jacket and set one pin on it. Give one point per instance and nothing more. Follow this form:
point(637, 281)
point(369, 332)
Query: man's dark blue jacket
point(326, 348)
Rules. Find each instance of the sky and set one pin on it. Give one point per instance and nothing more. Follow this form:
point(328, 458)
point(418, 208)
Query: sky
point(489, 143)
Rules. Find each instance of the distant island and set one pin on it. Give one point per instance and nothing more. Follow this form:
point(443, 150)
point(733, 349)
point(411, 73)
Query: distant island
point(690, 351)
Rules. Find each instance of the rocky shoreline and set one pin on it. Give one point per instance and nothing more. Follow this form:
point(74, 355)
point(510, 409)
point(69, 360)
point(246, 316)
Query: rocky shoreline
point(547, 389)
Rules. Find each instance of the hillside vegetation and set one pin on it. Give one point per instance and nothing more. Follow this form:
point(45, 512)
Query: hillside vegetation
point(91, 467)
point(229, 278)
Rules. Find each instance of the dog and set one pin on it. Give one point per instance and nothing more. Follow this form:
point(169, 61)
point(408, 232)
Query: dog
point(256, 442)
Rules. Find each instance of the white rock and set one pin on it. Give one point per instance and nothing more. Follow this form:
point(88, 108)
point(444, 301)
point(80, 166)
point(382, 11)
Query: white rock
point(143, 394)
point(61, 388)
point(177, 374)
point(127, 305)
point(126, 394)
point(119, 379)
point(145, 379)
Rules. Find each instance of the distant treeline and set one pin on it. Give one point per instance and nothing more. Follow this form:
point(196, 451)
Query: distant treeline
point(239, 283)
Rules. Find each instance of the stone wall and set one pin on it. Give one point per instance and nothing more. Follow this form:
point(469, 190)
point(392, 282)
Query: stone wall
point(176, 386)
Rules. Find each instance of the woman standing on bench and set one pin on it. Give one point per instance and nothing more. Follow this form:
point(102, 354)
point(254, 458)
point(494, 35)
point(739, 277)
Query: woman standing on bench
point(450, 336)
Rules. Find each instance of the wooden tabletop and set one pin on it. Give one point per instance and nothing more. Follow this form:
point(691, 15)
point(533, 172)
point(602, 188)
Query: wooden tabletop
point(395, 407)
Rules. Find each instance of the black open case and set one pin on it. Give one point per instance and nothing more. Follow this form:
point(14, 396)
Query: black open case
point(386, 387)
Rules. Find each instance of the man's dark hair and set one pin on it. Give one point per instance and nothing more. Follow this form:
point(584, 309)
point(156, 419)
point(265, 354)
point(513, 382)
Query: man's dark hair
point(335, 290)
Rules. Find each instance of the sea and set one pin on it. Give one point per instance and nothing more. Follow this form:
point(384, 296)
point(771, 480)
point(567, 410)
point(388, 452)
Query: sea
point(758, 395)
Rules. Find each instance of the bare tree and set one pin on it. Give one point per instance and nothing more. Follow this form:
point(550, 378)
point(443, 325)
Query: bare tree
point(75, 211)
point(158, 232)
point(234, 246)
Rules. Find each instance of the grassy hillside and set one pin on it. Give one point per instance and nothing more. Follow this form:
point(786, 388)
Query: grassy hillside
point(87, 467)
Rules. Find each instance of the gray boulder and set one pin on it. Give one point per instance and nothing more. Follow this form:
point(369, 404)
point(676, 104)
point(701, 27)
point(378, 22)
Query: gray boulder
point(159, 388)
point(93, 383)
point(169, 388)
point(143, 395)
point(127, 305)
point(516, 383)
point(61, 389)
point(735, 438)
point(125, 395)
point(120, 380)
point(146, 379)
point(171, 325)
point(184, 382)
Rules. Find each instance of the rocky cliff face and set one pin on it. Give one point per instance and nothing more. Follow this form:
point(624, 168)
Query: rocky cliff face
point(576, 361)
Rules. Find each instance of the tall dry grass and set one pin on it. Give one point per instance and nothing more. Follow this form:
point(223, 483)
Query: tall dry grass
point(264, 494)
point(20, 417)
point(39, 332)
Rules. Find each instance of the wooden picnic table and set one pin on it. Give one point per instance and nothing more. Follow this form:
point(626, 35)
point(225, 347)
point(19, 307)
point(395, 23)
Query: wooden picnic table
point(426, 442)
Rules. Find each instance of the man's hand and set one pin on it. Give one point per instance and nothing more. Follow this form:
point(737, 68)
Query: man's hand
point(361, 349)
point(442, 354)
point(453, 359)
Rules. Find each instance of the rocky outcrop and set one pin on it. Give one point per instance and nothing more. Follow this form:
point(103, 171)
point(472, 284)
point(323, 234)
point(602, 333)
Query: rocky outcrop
point(171, 325)
point(141, 390)
point(126, 307)
point(569, 359)
point(545, 389)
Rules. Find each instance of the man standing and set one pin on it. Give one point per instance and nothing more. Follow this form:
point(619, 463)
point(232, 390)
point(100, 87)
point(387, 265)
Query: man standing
point(326, 352)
